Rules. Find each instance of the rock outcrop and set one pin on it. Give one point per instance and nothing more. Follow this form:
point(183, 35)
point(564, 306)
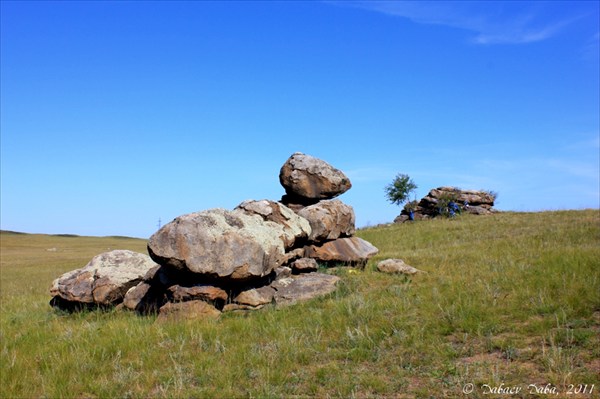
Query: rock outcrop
point(262, 252)
point(447, 201)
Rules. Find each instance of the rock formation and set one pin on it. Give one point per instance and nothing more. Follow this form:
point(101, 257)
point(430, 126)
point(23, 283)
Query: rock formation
point(262, 252)
point(437, 201)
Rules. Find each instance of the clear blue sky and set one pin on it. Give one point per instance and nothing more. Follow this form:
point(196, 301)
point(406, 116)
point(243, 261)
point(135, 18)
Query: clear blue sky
point(116, 114)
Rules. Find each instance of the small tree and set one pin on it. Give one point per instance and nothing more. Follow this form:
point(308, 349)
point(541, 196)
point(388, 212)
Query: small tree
point(400, 189)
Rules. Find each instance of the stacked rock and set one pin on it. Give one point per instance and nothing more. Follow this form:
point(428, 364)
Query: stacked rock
point(310, 185)
point(259, 253)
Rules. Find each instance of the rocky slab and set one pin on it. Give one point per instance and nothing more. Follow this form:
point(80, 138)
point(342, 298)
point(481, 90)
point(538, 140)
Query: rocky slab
point(303, 287)
point(344, 250)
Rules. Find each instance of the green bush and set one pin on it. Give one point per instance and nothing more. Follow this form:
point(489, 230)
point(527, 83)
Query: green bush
point(400, 189)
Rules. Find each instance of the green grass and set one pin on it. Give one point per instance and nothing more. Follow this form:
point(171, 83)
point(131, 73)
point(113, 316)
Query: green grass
point(512, 298)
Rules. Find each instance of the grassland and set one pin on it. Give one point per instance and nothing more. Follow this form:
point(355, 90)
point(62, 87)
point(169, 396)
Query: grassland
point(509, 300)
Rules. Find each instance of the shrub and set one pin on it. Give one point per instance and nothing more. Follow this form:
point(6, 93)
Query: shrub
point(400, 189)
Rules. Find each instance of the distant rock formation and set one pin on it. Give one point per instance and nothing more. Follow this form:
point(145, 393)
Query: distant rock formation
point(441, 200)
point(262, 252)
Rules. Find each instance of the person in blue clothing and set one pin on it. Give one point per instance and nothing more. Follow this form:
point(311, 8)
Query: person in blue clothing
point(452, 208)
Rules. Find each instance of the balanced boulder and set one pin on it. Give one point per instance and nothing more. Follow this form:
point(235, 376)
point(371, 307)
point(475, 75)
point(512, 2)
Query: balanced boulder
point(309, 178)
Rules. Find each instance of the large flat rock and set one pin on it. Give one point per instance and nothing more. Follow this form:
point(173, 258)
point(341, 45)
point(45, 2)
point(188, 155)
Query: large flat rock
point(229, 246)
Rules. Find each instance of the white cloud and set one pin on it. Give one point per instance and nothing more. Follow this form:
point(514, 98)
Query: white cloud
point(522, 34)
point(492, 22)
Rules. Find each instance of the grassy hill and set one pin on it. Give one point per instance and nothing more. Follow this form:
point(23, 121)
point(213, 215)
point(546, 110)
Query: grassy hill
point(511, 299)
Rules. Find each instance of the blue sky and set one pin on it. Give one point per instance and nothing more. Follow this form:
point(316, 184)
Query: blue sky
point(116, 114)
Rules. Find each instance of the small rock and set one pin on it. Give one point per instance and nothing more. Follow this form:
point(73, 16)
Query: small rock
point(144, 298)
point(191, 310)
point(208, 293)
point(396, 266)
point(304, 265)
point(282, 272)
point(255, 296)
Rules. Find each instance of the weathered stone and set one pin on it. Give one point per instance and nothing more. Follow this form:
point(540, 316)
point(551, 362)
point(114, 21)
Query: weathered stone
point(478, 210)
point(293, 254)
point(144, 298)
point(104, 280)
point(190, 310)
point(296, 229)
point(208, 293)
point(282, 272)
point(305, 176)
point(219, 244)
point(304, 265)
point(329, 219)
point(256, 296)
point(396, 266)
point(345, 250)
point(303, 287)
